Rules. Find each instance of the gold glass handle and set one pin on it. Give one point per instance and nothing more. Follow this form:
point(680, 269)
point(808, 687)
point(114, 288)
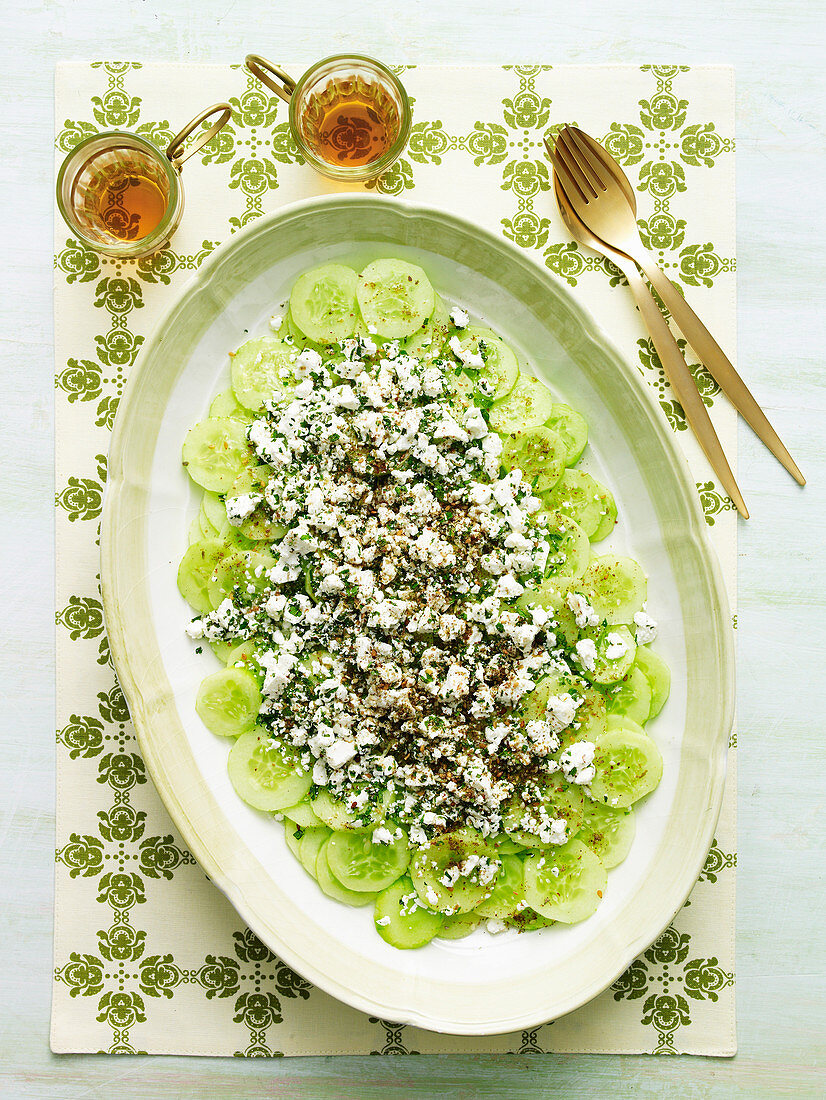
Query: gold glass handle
point(264, 70)
point(175, 148)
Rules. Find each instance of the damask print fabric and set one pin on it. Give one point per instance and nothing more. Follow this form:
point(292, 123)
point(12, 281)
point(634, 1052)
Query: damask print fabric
point(149, 957)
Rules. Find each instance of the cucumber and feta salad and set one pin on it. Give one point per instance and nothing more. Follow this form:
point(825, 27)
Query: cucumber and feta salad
point(433, 674)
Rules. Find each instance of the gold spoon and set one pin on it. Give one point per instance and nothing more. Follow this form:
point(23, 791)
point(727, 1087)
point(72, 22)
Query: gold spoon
point(674, 365)
point(604, 200)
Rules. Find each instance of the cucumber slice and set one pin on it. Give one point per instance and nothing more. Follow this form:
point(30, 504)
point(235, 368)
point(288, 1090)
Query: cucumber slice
point(570, 548)
point(195, 571)
point(561, 801)
point(507, 893)
point(261, 369)
point(572, 429)
point(395, 296)
point(631, 697)
point(616, 587)
point(504, 845)
point(400, 920)
point(213, 507)
point(301, 814)
point(330, 884)
point(658, 675)
point(591, 718)
point(535, 703)
point(607, 832)
point(228, 702)
point(538, 452)
point(577, 495)
point(195, 534)
point(323, 303)
point(608, 514)
point(565, 884)
point(528, 920)
point(259, 525)
point(263, 772)
point(629, 766)
point(528, 405)
point(245, 656)
point(245, 568)
point(501, 367)
point(311, 843)
point(359, 864)
point(551, 597)
point(428, 342)
point(620, 722)
point(221, 649)
point(459, 926)
point(338, 816)
point(224, 404)
point(208, 530)
point(608, 669)
point(445, 857)
point(215, 451)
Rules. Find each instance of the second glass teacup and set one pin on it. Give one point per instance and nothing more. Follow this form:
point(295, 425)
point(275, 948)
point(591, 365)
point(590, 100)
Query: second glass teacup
point(349, 115)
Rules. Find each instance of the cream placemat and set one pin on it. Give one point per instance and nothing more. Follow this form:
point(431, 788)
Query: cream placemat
point(149, 957)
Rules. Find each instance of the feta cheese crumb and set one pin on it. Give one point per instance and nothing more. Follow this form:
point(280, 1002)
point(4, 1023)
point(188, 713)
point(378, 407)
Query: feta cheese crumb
point(460, 317)
point(586, 652)
point(616, 646)
point(584, 614)
point(646, 628)
point(578, 762)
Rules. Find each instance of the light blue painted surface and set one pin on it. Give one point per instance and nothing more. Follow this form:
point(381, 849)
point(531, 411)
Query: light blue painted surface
point(778, 47)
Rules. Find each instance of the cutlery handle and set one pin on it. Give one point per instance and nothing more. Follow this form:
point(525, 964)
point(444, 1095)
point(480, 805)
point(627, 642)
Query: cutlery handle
point(685, 390)
point(717, 364)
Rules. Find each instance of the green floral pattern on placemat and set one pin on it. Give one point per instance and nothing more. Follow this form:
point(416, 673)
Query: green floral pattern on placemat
point(148, 957)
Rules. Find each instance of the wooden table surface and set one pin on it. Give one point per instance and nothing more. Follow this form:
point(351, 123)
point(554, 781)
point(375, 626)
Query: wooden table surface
point(779, 49)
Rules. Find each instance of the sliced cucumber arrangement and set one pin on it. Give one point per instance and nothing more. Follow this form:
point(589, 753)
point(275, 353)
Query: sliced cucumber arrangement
point(264, 773)
point(528, 405)
point(228, 702)
point(565, 884)
point(261, 368)
point(539, 453)
point(423, 665)
point(500, 368)
point(323, 303)
point(394, 296)
point(629, 766)
point(215, 452)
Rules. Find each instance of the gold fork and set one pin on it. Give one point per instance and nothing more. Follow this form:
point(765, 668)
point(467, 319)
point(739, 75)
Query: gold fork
point(603, 199)
point(674, 365)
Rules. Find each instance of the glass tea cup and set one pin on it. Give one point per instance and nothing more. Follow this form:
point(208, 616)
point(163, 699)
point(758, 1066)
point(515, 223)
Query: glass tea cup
point(349, 115)
point(124, 197)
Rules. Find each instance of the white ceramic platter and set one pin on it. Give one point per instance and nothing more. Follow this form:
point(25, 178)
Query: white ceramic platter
point(484, 984)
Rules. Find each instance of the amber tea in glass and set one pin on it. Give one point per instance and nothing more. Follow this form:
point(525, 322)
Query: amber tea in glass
point(123, 196)
point(349, 115)
point(351, 121)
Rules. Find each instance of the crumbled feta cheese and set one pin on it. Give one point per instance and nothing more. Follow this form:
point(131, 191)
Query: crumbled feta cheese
point(584, 614)
point(578, 762)
point(615, 647)
point(460, 317)
point(586, 652)
point(646, 628)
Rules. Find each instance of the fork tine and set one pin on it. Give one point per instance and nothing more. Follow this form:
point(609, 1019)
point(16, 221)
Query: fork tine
point(564, 157)
point(585, 159)
point(566, 181)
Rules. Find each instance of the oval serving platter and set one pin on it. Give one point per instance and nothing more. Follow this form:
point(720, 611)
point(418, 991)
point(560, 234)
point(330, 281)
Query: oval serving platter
point(484, 984)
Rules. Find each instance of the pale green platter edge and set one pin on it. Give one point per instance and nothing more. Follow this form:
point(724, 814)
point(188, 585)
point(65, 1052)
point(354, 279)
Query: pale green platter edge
point(164, 745)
